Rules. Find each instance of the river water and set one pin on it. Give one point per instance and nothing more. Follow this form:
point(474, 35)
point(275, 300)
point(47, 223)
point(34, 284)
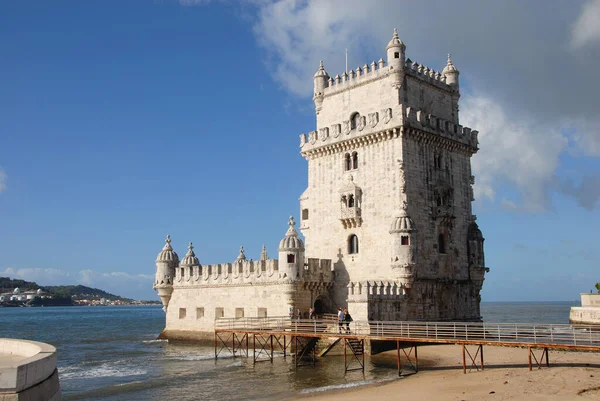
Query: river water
point(110, 353)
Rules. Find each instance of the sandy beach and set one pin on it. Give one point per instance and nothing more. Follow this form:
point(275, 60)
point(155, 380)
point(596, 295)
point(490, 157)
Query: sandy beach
point(571, 376)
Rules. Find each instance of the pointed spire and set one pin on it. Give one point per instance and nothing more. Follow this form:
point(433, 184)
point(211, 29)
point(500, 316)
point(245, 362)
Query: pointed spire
point(190, 251)
point(167, 246)
point(291, 230)
point(449, 66)
point(242, 255)
point(321, 71)
point(396, 42)
point(263, 253)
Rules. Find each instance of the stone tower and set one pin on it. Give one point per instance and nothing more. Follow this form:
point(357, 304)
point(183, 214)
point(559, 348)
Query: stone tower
point(390, 190)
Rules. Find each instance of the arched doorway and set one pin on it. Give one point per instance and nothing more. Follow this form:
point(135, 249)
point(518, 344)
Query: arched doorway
point(322, 305)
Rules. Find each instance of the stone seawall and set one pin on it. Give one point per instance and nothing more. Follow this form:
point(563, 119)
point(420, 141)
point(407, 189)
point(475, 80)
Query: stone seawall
point(28, 371)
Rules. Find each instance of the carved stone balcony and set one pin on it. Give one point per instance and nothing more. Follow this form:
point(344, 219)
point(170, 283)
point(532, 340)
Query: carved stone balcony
point(351, 217)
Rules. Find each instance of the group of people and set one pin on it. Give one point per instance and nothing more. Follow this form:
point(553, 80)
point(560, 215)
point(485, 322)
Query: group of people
point(344, 317)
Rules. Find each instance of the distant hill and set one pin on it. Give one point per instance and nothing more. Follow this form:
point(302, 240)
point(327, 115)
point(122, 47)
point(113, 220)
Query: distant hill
point(75, 292)
point(82, 292)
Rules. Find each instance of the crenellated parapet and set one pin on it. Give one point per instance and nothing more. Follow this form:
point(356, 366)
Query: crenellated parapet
point(363, 291)
point(250, 272)
point(353, 78)
point(239, 272)
point(432, 129)
point(318, 271)
point(343, 135)
point(426, 74)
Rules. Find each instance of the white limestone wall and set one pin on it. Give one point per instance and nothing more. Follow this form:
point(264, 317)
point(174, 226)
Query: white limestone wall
point(370, 96)
point(28, 371)
point(195, 308)
point(422, 179)
point(326, 237)
point(430, 98)
point(588, 312)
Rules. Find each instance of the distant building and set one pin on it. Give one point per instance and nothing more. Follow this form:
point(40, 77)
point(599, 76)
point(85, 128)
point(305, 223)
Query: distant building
point(386, 215)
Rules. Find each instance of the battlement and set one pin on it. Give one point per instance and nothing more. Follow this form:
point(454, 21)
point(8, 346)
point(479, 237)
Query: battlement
point(360, 76)
point(426, 74)
point(249, 272)
point(361, 291)
point(430, 123)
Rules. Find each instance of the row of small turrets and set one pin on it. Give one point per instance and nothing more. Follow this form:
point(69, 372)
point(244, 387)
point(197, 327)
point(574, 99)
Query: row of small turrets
point(396, 59)
point(291, 261)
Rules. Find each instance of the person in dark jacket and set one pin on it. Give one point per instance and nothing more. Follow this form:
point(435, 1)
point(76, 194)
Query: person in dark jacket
point(348, 319)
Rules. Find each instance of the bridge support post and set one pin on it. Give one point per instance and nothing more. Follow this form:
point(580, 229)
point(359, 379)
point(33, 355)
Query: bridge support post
point(414, 362)
point(473, 358)
point(542, 358)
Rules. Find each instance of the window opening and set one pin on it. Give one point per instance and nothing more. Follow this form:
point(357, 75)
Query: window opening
point(304, 214)
point(396, 55)
point(354, 120)
point(291, 258)
point(441, 244)
point(347, 162)
point(351, 201)
point(199, 313)
point(182, 313)
point(355, 160)
point(219, 312)
point(352, 244)
point(404, 240)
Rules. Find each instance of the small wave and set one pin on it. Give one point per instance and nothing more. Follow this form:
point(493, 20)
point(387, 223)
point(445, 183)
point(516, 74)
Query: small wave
point(112, 369)
point(235, 364)
point(344, 386)
point(155, 341)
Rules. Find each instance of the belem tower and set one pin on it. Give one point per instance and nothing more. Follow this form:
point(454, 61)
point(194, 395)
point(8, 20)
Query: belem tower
point(386, 217)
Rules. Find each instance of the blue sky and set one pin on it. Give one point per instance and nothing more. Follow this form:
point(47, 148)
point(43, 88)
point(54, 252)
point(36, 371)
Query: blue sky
point(124, 121)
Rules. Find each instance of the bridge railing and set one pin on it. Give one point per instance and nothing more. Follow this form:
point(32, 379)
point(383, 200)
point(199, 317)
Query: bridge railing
point(551, 334)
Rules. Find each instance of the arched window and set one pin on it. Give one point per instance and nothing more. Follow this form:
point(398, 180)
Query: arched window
point(351, 201)
point(355, 160)
point(441, 244)
point(352, 244)
point(344, 201)
point(347, 162)
point(354, 120)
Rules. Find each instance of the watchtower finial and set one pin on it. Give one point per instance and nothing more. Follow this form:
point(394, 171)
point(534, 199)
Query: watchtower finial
point(291, 223)
point(168, 240)
point(449, 59)
point(395, 33)
point(191, 246)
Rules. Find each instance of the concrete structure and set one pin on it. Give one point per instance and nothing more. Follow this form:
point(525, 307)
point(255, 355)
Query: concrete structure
point(386, 215)
point(588, 312)
point(28, 371)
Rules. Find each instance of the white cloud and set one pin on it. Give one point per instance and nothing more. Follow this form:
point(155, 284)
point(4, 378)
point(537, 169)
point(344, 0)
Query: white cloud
point(514, 151)
point(586, 29)
point(39, 275)
point(2, 180)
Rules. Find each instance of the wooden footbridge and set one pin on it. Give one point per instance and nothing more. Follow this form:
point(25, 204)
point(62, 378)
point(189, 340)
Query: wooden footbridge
point(299, 338)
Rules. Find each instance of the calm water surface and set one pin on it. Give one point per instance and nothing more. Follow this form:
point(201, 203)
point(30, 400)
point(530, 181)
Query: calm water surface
point(110, 353)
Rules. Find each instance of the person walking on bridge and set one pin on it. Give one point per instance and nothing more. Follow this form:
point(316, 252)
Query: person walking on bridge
point(341, 318)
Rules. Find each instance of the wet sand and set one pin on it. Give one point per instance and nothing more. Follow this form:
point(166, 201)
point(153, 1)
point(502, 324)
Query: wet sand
point(571, 376)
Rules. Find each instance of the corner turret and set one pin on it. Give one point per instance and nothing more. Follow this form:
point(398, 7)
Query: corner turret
point(321, 81)
point(166, 262)
point(291, 253)
point(396, 56)
point(404, 248)
point(476, 258)
point(451, 73)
